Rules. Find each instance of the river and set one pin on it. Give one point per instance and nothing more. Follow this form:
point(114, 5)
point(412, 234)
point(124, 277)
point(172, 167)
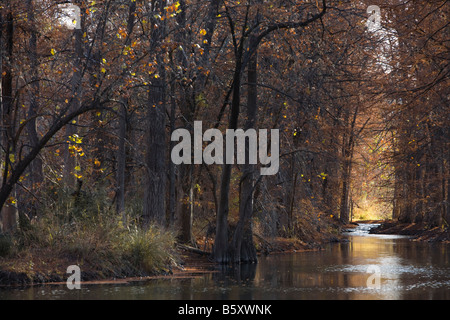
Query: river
point(366, 267)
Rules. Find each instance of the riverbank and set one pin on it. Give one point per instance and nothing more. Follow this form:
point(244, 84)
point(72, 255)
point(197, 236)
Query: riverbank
point(338, 273)
point(101, 249)
point(44, 266)
point(418, 231)
point(37, 266)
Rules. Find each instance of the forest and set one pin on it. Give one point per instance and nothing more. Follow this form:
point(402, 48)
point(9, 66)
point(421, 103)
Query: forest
point(92, 92)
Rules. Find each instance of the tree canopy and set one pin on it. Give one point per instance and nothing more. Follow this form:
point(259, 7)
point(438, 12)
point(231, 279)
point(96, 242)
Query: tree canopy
point(91, 92)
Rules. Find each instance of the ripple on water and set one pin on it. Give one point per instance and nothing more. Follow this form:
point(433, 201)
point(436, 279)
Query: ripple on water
point(387, 270)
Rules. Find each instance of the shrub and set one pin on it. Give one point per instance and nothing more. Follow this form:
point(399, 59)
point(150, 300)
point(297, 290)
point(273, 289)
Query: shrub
point(149, 250)
point(5, 245)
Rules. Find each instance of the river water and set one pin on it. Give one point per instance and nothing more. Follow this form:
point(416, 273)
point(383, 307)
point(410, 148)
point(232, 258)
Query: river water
point(366, 267)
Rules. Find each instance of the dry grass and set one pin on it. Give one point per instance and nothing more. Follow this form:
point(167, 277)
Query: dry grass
point(88, 235)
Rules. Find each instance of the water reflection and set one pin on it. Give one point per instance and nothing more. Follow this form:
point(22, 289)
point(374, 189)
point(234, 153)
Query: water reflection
point(408, 270)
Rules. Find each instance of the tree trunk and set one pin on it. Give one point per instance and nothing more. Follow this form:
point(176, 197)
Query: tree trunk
point(154, 202)
point(172, 175)
point(293, 178)
point(121, 163)
point(419, 194)
point(344, 217)
point(186, 199)
point(123, 115)
point(185, 211)
point(446, 181)
point(75, 103)
point(8, 211)
point(221, 252)
point(348, 147)
point(154, 197)
point(36, 174)
point(243, 248)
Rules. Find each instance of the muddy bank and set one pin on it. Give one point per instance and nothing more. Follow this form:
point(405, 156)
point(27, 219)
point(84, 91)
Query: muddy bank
point(418, 231)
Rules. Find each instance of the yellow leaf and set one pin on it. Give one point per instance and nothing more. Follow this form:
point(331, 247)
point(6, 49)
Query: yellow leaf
point(203, 32)
point(77, 168)
point(53, 52)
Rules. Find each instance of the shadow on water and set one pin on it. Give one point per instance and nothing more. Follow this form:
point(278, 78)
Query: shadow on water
point(405, 269)
point(240, 274)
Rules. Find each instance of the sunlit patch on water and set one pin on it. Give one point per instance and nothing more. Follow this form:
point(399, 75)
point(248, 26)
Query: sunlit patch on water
point(390, 270)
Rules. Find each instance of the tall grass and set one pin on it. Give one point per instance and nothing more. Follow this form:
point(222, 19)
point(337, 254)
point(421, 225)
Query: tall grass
point(86, 230)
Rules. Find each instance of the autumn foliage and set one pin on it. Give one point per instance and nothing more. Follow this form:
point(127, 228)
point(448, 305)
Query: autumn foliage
point(90, 105)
